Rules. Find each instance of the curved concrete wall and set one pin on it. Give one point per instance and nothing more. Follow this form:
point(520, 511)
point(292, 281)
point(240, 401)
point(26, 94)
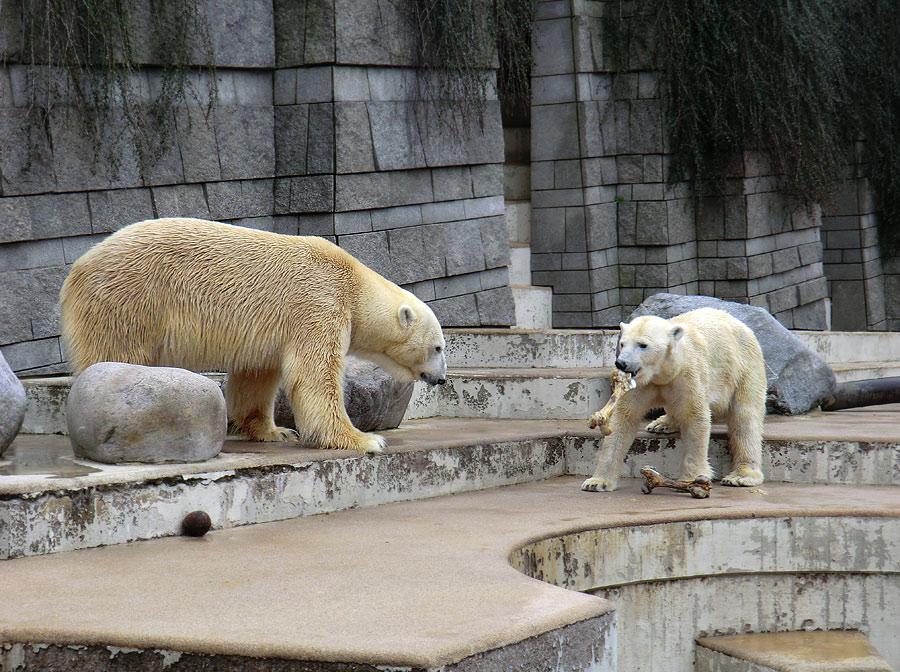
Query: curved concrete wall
point(674, 582)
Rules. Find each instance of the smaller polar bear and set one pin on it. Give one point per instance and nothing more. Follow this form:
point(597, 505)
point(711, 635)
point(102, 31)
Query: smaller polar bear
point(702, 363)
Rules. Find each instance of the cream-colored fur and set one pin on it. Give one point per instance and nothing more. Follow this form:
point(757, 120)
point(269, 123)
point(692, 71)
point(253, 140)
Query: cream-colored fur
point(700, 363)
point(269, 309)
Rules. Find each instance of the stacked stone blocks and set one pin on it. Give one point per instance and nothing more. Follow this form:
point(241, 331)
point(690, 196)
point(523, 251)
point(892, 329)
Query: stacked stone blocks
point(312, 133)
point(602, 163)
point(862, 285)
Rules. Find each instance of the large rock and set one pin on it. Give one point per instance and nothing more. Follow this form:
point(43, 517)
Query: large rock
point(12, 404)
point(374, 400)
point(798, 379)
point(127, 413)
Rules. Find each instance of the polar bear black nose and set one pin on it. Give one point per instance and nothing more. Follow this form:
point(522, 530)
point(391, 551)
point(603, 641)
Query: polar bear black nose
point(622, 365)
point(432, 380)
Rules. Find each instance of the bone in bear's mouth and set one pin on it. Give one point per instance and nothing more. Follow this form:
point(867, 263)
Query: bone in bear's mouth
point(622, 382)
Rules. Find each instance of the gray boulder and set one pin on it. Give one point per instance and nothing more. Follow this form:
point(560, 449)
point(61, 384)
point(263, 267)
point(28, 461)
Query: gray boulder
point(12, 404)
point(128, 413)
point(798, 379)
point(374, 400)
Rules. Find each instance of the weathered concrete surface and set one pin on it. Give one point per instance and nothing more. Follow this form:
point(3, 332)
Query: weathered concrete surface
point(530, 348)
point(63, 503)
point(12, 405)
point(798, 379)
point(755, 574)
point(45, 409)
point(119, 412)
point(792, 651)
point(522, 393)
point(837, 347)
point(487, 363)
point(318, 588)
point(571, 647)
point(50, 501)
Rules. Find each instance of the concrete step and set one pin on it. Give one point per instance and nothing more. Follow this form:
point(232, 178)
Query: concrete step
point(52, 502)
point(509, 390)
point(789, 652)
point(429, 585)
point(534, 306)
point(853, 346)
point(522, 393)
point(850, 371)
point(518, 221)
point(548, 348)
point(519, 264)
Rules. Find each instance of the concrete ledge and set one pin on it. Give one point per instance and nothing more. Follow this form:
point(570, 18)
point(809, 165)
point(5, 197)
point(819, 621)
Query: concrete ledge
point(756, 574)
point(520, 393)
point(426, 584)
point(51, 502)
point(790, 652)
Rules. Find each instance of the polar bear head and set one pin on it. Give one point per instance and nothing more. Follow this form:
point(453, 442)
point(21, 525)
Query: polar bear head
point(644, 345)
point(412, 346)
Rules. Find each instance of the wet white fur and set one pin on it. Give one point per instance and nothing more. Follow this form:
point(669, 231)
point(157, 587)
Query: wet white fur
point(267, 308)
point(702, 361)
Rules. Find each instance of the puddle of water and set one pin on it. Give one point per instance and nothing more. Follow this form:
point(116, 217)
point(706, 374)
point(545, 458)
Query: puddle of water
point(53, 461)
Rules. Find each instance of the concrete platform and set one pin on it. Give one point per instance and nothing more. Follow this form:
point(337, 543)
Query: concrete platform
point(51, 502)
point(790, 652)
point(411, 585)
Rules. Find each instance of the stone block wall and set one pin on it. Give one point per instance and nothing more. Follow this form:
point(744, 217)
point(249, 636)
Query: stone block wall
point(609, 227)
point(862, 294)
point(319, 128)
point(754, 247)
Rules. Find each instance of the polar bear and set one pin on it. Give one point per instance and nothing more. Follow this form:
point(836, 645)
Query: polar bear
point(269, 309)
point(702, 363)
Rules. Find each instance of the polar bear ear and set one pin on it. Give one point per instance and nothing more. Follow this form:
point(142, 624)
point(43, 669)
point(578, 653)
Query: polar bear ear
point(676, 333)
point(622, 326)
point(406, 315)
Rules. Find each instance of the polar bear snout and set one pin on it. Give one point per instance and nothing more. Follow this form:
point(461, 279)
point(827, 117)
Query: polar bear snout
point(432, 379)
point(627, 367)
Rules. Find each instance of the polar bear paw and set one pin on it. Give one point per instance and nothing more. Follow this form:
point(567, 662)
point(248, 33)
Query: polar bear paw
point(744, 476)
point(372, 443)
point(276, 434)
point(595, 484)
point(662, 425)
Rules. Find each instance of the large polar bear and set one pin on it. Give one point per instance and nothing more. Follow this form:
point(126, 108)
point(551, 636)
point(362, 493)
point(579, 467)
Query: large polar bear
point(267, 308)
point(704, 360)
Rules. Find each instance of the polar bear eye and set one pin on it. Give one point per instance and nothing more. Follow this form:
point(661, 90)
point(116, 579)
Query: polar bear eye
point(642, 346)
point(438, 348)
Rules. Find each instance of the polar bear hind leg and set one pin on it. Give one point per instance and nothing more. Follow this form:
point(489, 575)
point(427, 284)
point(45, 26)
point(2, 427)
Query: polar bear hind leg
point(250, 396)
point(745, 421)
point(664, 424)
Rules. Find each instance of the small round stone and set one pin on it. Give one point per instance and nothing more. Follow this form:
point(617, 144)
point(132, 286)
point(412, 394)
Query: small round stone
point(196, 524)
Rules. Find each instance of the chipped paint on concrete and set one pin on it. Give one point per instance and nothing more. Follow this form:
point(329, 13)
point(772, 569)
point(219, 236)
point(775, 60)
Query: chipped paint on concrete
point(45, 405)
point(849, 462)
point(514, 348)
point(585, 646)
point(672, 582)
point(497, 394)
point(76, 516)
point(85, 517)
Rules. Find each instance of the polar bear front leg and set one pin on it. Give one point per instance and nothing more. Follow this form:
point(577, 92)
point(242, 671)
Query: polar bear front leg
point(250, 397)
point(695, 439)
point(625, 423)
point(315, 386)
